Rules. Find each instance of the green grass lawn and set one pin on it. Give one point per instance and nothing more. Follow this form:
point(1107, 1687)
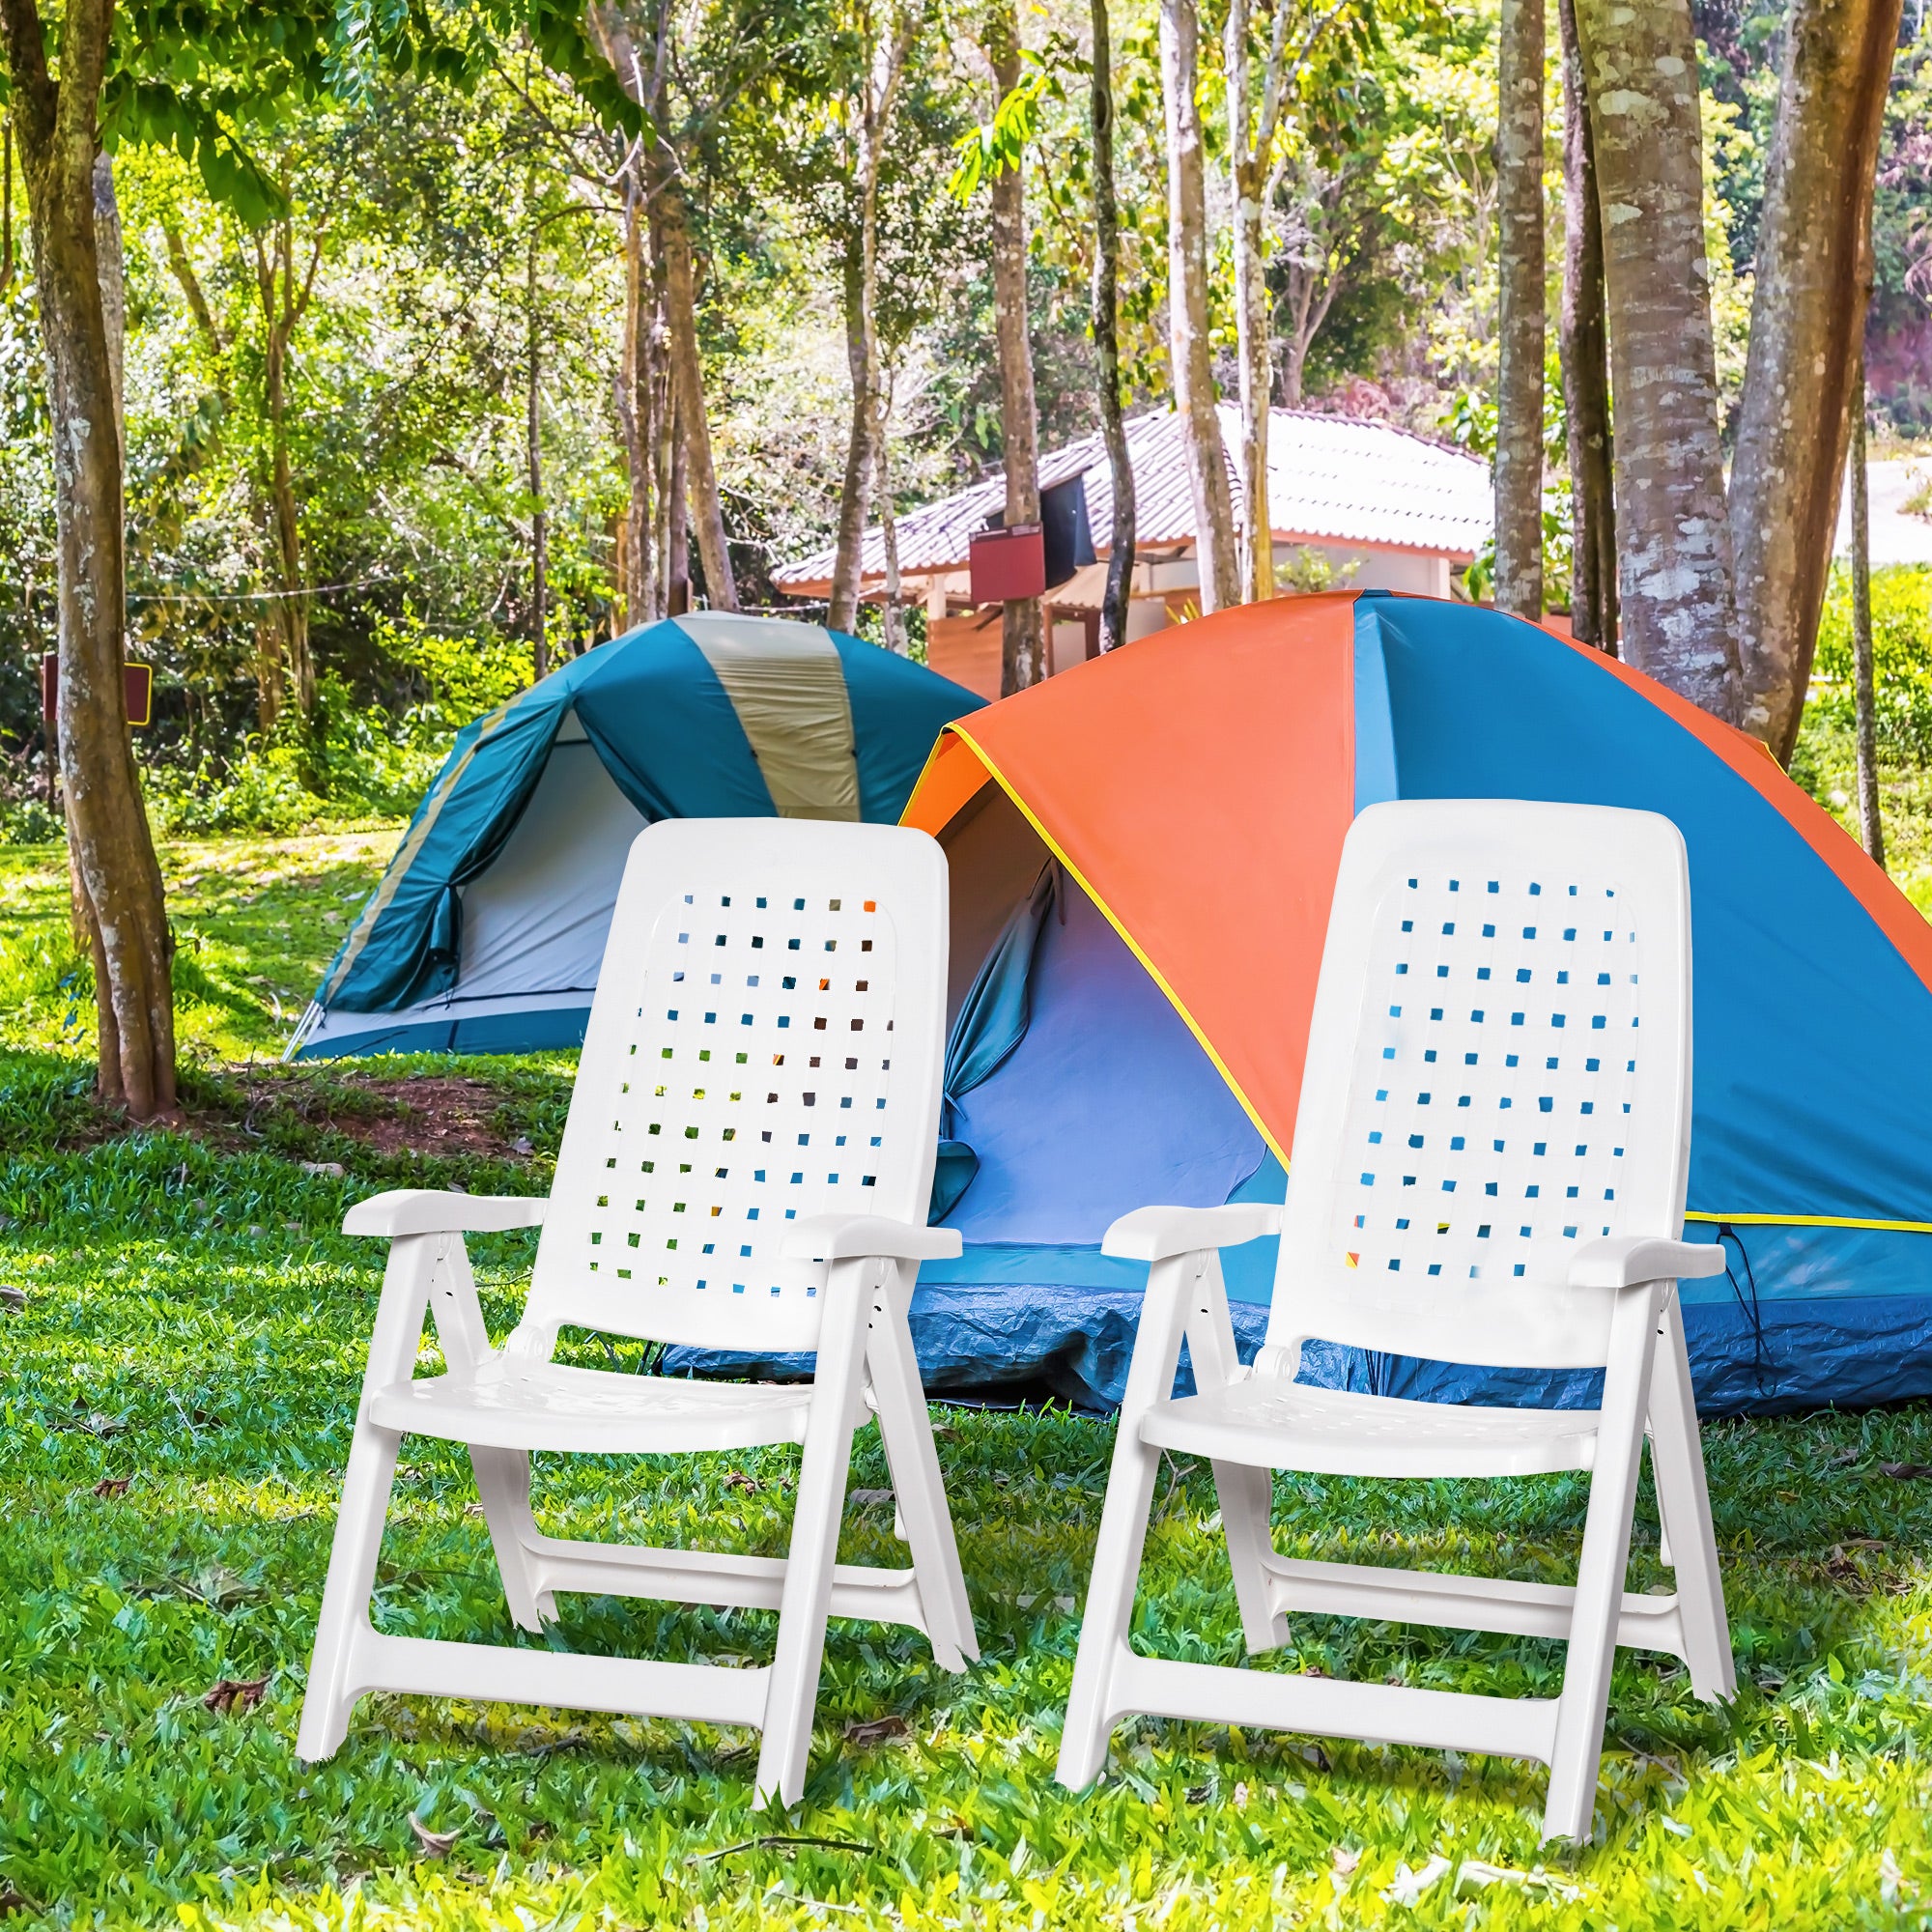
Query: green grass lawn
point(175, 1407)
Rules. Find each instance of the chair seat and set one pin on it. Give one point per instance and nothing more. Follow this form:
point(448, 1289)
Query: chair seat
point(1267, 1423)
point(510, 1404)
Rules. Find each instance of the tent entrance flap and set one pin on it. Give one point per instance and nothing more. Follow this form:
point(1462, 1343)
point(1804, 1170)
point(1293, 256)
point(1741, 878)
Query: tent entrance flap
point(535, 922)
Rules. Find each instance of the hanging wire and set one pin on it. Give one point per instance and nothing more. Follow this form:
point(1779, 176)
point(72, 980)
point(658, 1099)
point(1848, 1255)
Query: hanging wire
point(1752, 1313)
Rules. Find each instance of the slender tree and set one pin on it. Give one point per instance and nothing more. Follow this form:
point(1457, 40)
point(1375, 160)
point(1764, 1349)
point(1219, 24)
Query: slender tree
point(637, 41)
point(1813, 274)
point(284, 288)
point(1331, 203)
point(1583, 349)
point(533, 449)
point(883, 39)
point(1106, 326)
point(896, 639)
point(1871, 821)
point(1253, 127)
point(119, 894)
point(640, 383)
point(1679, 622)
point(1520, 321)
point(1190, 346)
point(1022, 640)
point(855, 492)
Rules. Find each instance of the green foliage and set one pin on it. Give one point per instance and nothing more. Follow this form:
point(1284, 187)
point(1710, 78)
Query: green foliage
point(1901, 659)
point(999, 146)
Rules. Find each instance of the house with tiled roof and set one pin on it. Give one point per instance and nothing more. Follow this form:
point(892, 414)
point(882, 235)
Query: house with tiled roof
point(1367, 504)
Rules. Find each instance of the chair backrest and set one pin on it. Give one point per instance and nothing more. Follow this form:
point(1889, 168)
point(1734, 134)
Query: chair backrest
point(765, 1044)
point(1498, 1071)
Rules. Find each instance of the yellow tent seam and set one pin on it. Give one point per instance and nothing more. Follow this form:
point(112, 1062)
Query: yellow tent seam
point(1812, 1221)
point(1132, 945)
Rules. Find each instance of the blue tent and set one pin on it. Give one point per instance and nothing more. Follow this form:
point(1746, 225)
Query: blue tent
point(1142, 852)
point(486, 931)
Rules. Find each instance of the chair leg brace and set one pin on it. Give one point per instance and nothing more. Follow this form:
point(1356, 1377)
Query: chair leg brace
point(1595, 1615)
point(865, 1333)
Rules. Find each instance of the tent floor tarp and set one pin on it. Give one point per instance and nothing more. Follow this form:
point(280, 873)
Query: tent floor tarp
point(1773, 1356)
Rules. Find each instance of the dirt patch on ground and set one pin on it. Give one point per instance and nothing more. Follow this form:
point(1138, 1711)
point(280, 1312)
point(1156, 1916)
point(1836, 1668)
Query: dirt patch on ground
point(428, 1115)
point(431, 1115)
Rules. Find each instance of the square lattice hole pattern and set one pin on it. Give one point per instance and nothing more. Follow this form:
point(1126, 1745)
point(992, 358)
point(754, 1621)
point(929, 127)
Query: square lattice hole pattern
point(1498, 1109)
point(767, 1052)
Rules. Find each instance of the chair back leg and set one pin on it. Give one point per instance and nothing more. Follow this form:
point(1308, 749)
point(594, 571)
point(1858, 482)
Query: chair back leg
point(1246, 1496)
point(1684, 1508)
point(792, 1692)
point(503, 1484)
point(1584, 1703)
point(905, 1427)
point(331, 1692)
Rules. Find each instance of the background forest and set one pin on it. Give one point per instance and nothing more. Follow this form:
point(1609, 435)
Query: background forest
point(350, 428)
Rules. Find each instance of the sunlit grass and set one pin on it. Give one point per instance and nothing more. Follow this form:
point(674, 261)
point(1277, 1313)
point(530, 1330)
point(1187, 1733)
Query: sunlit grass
point(255, 922)
point(194, 1325)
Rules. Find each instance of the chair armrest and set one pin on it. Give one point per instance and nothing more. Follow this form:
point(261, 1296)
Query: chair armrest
point(1159, 1234)
point(1624, 1261)
point(424, 1210)
point(845, 1237)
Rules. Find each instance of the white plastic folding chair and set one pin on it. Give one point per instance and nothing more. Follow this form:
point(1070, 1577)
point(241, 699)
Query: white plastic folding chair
point(1489, 1167)
point(746, 1164)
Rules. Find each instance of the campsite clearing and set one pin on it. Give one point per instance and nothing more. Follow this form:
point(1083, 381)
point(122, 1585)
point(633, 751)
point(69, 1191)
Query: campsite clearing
point(192, 1328)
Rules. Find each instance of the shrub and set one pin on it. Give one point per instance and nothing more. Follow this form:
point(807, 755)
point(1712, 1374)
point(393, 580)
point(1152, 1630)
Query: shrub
point(1901, 659)
point(26, 821)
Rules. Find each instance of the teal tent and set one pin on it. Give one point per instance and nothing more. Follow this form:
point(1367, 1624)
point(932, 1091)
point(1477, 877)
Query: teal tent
point(486, 932)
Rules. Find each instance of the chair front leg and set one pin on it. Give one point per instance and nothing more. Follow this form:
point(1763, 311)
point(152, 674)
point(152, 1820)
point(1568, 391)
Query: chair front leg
point(792, 1693)
point(905, 1428)
point(1585, 1702)
point(1124, 1520)
point(1684, 1507)
point(365, 1499)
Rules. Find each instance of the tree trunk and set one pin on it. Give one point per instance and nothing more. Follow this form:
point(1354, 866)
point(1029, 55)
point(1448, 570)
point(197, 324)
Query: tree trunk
point(119, 897)
point(268, 646)
point(292, 601)
point(112, 256)
point(856, 492)
point(1871, 820)
point(1248, 172)
point(666, 469)
point(646, 80)
point(705, 506)
point(1519, 320)
point(1808, 313)
point(1106, 317)
point(1310, 299)
point(866, 459)
point(636, 574)
point(896, 639)
point(533, 452)
point(1022, 640)
point(1585, 351)
point(1679, 625)
point(1189, 349)
point(677, 518)
point(282, 306)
